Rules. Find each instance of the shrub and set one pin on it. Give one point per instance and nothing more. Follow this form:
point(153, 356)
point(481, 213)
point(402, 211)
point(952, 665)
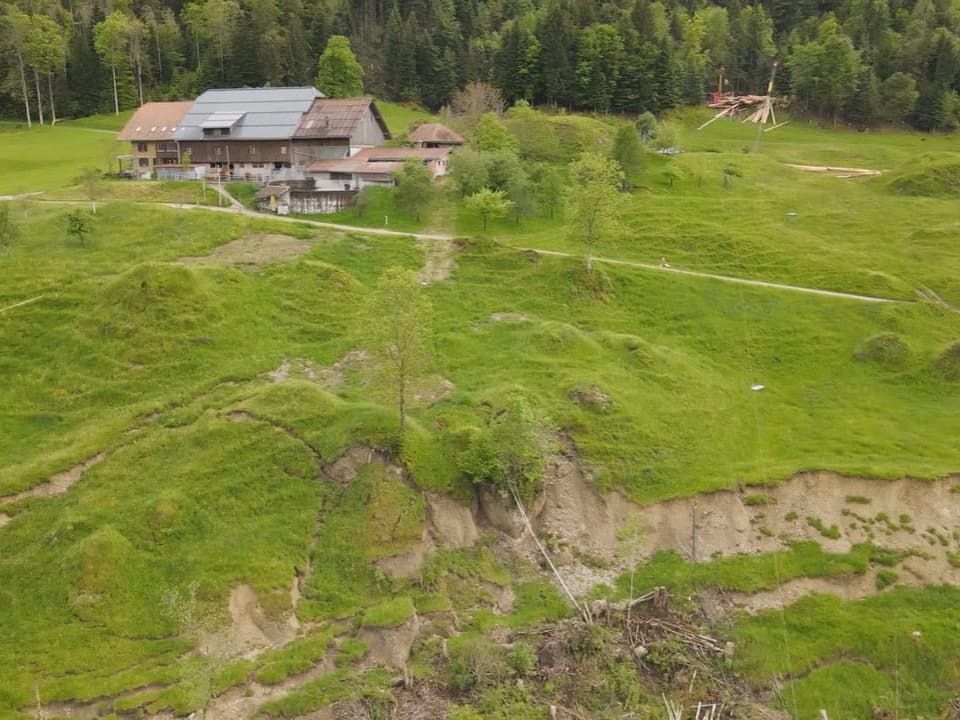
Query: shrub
point(522, 659)
point(754, 500)
point(886, 578)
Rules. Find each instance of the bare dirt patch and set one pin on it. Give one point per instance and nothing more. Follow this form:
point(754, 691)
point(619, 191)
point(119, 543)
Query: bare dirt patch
point(390, 647)
point(241, 702)
point(407, 564)
point(451, 523)
point(254, 251)
point(355, 361)
point(251, 631)
point(439, 260)
point(4, 519)
point(57, 484)
point(430, 389)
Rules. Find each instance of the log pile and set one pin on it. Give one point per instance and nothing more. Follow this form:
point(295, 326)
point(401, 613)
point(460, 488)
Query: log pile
point(760, 108)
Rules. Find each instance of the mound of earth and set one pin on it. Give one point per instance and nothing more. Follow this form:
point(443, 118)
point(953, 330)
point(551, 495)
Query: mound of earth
point(948, 363)
point(156, 297)
point(929, 176)
point(888, 351)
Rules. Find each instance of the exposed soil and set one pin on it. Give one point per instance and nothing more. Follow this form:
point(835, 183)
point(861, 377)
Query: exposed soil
point(595, 538)
point(390, 647)
point(254, 251)
point(242, 701)
point(251, 631)
point(430, 389)
point(57, 484)
point(4, 519)
point(452, 524)
point(407, 564)
point(329, 376)
point(439, 260)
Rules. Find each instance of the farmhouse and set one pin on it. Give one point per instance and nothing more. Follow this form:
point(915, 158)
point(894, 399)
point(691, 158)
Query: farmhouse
point(150, 133)
point(247, 132)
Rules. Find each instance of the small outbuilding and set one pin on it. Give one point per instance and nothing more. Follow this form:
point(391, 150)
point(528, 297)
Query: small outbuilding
point(273, 198)
point(435, 135)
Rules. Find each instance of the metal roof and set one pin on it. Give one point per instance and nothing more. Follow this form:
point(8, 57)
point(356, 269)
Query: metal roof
point(155, 121)
point(337, 118)
point(222, 120)
point(266, 113)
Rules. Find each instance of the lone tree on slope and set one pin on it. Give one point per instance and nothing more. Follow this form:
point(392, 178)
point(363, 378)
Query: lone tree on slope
point(398, 322)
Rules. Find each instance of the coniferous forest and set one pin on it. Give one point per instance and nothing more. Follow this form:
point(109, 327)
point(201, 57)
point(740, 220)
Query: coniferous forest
point(861, 62)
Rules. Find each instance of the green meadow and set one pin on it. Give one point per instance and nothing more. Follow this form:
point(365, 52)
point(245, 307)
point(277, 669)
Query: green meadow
point(209, 464)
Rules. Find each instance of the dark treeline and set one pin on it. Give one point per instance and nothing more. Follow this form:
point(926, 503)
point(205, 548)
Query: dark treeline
point(855, 61)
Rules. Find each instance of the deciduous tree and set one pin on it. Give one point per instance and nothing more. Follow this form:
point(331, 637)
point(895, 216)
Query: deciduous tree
point(14, 29)
point(79, 224)
point(414, 189)
point(110, 38)
point(592, 201)
point(488, 204)
point(398, 325)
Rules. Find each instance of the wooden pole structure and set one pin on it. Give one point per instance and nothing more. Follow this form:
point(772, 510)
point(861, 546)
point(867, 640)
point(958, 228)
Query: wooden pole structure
point(768, 103)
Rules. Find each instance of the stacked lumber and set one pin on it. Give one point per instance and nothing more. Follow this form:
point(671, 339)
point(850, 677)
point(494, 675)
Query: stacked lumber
point(734, 105)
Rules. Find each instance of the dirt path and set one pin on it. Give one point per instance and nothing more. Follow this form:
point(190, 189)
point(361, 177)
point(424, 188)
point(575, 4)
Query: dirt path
point(238, 209)
point(439, 261)
point(57, 484)
point(558, 253)
point(726, 278)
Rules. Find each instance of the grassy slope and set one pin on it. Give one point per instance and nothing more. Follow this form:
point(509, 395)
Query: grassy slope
point(169, 510)
point(47, 157)
point(400, 117)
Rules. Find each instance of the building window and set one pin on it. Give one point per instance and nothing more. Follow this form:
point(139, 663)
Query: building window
point(283, 149)
point(141, 147)
point(241, 165)
point(216, 150)
point(253, 149)
point(144, 162)
point(257, 165)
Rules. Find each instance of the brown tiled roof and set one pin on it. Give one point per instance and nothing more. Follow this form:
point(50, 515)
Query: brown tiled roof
point(377, 161)
point(436, 133)
point(155, 121)
point(337, 118)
